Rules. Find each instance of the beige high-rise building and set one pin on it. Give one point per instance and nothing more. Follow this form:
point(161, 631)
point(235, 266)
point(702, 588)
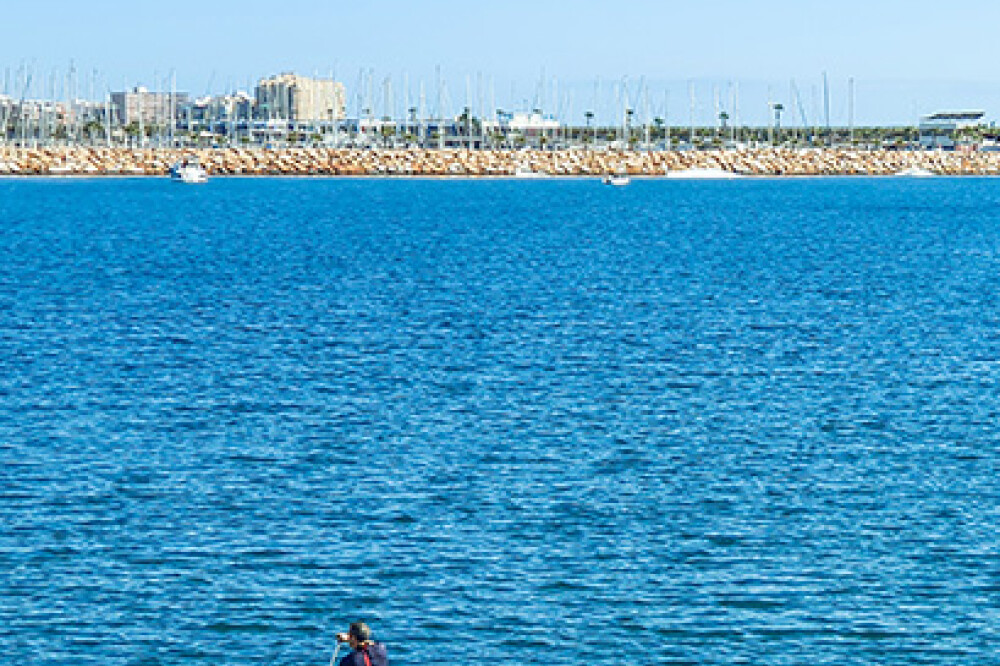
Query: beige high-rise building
point(300, 99)
point(141, 105)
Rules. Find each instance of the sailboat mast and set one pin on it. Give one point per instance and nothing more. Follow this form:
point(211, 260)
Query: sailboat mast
point(422, 116)
point(691, 113)
point(826, 104)
point(666, 118)
point(850, 109)
point(107, 119)
point(645, 115)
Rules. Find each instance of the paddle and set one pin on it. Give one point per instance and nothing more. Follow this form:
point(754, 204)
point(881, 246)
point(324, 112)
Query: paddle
point(333, 659)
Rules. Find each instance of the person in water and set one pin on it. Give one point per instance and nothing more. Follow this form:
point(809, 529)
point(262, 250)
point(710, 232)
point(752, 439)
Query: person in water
point(364, 650)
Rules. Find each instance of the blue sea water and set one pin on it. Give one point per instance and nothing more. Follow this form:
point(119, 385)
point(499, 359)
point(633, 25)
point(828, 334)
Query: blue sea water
point(746, 422)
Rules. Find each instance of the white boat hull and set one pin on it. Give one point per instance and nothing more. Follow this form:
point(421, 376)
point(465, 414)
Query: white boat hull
point(916, 172)
point(189, 175)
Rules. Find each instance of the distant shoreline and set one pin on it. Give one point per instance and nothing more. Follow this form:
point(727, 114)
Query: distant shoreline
point(125, 162)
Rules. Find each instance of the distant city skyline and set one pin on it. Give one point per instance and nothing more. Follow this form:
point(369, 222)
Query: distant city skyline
point(906, 58)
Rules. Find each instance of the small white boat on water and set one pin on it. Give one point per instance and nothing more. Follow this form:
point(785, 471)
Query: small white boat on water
point(916, 172)
point(188, 170)
point(618, 180)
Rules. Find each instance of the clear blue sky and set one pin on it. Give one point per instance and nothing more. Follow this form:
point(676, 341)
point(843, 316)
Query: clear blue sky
point(907, 57)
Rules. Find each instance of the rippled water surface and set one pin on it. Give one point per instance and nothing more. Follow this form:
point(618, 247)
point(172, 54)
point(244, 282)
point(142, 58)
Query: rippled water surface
point(507, 422)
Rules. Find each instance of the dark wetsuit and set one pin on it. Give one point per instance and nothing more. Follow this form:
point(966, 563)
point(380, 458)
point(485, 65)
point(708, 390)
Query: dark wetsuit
point(376, 655)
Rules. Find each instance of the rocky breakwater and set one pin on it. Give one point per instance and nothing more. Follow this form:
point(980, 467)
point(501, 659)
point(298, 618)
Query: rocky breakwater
point(80, 161)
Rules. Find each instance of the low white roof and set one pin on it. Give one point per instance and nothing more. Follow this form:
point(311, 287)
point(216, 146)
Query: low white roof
point(954, 115)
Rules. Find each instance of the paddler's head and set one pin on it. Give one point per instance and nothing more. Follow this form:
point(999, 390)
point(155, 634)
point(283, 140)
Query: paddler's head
point(359, 634)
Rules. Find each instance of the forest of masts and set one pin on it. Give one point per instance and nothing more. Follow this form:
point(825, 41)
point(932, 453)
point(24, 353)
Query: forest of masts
point(54, 109)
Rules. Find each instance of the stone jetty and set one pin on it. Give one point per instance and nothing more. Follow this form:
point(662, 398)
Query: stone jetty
point(81, 161)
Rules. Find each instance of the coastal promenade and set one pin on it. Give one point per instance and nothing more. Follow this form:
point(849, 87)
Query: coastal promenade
point(497, 163)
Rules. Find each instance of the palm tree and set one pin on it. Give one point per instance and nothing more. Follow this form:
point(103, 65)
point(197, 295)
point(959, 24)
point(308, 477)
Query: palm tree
point(365, 113)
point(388, 131)
point(132, 130)
point(541, 130)
point(93, 128)
point(498, 137)
point(466, 121)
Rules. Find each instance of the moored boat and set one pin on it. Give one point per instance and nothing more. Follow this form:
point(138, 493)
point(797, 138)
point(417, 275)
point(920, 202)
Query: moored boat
point(188, 170)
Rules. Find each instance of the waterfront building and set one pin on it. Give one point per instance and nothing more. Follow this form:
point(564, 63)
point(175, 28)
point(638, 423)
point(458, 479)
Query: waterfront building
point(532, 123)
point(34, 121)
point(940, 130)
point(527, 124)
point(300, 99)
point(533, 128)
point(140, 105)
point(6, 115)
point(218, 116)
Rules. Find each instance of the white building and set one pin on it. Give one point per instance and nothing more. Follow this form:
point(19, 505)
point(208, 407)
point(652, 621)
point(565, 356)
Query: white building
point(938, 130)
point(223, 108)
point(526, 124)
